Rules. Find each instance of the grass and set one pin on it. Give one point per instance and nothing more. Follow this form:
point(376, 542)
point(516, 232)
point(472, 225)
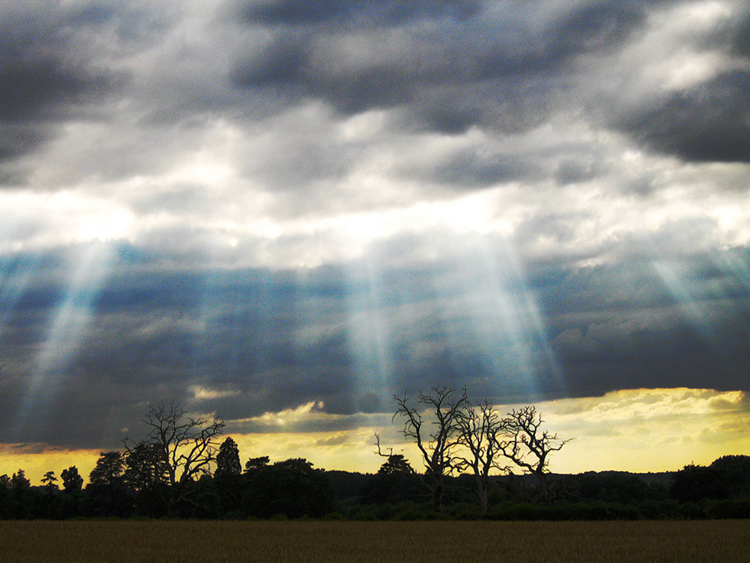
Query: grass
point(413, 542)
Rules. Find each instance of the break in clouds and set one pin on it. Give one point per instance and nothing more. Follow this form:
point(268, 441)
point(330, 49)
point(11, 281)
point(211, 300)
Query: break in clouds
point(252, 206)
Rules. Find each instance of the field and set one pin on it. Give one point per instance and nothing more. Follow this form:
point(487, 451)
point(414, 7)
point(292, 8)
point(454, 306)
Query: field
point(413, 542)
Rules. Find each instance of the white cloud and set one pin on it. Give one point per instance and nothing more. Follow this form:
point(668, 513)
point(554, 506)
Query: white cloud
point(201, 393)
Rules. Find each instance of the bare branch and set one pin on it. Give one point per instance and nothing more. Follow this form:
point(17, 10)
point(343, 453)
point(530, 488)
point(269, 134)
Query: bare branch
point(184, 445)
point(479, 426)
point(525, 438)
point(379, 452)
point(436, 446)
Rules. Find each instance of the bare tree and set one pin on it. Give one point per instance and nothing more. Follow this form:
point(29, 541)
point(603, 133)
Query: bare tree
point(479, 428)
point(437, 442)
point(529, 445)
point(378, 451)
point(185, 446)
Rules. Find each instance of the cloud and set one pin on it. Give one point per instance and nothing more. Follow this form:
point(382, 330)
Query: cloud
point(649, 429)
point(328, 203)
point(692, 102)
point(45, 77)
point(707, 123)
point(374, 14)
point(250, 342)
point(204, 394)
point(492, 74)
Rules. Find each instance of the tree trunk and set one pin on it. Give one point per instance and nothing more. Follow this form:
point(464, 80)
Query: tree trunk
point(482, 494)
point(543, 486)
point(437, 496)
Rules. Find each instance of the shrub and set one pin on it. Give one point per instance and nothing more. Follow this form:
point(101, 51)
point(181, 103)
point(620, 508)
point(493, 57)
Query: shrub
point(728, 509)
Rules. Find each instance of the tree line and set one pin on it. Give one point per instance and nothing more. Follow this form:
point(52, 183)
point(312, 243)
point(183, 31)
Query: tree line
point(469, 451)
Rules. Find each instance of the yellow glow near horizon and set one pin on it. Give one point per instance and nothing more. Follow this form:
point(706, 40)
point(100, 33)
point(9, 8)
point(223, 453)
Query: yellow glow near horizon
point(646, 430)
point(642, 430)
point(36, 460)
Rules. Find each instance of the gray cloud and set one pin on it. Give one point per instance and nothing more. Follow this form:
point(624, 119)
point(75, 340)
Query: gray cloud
point(505, 75)
point(470, 169)
point(42, 77)
point(706, 123)
point(271, 204)
point(271, 340)
point(367, 12)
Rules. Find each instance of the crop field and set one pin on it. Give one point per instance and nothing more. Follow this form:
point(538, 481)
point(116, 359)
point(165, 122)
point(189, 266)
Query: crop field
point(413, 542)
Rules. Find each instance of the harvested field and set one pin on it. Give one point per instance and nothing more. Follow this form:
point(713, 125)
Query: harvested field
point(413, 542)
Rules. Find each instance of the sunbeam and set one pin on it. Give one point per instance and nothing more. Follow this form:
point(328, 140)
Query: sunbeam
point(16, 275)
point(66, 332)
point(522, 317)
point(370, 326)
point(495, 310)
point(679, 288)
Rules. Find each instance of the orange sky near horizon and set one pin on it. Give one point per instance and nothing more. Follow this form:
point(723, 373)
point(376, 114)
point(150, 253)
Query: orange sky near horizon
point(642, 430)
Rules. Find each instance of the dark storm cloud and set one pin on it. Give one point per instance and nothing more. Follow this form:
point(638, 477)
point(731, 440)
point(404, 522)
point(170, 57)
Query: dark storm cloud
point(44, 77)
point(585, 29)
point(575, 170)
point(708, 123)
point(16, 140)
point(238, 150)
point(499, 73)
point(365, 12)
point(287, 65)
point(272, 340)
point(154, 335)
point(36, 90)
point(740, 36)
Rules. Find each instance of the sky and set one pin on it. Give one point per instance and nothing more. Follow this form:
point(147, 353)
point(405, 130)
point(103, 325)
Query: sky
point(282, 213)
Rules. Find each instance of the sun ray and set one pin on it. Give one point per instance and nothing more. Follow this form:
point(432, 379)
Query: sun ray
point(16, 275)
point(369, 326)
point(67, 330)
point(500, 315)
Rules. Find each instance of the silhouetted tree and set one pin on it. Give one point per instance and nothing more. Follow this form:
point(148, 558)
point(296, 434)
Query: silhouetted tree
point(6, 504)
point(727, 477)
point(527, 444)
point(146, 475)
point(397, 464)
point(696, 482)
point(72, 485)
point(19, 482)
point(107, 494)
point(291, 487)
point(145, 466)
point(185, 446)
point(479, 429)
point(49, 506)
point(228, 459)
point(735, 472)
point(394, 482)
point(255, 464)
point(71, 480)
point(108, 469)
point(50, 481)
point(437, 445)
point(611, 486)
point(20, 495)
point(228, 477)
